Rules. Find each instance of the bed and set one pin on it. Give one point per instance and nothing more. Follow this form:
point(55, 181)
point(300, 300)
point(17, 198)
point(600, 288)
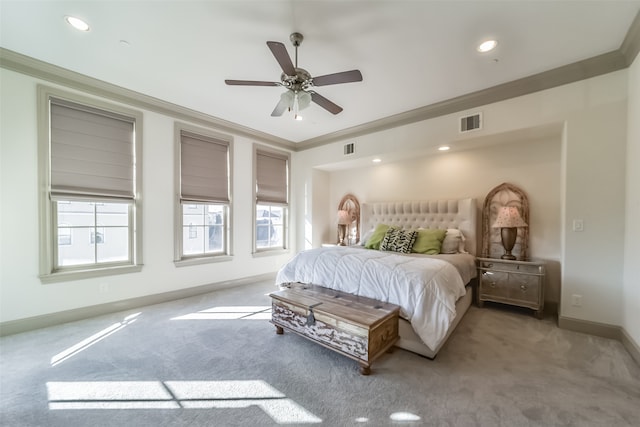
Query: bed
point(433, 291)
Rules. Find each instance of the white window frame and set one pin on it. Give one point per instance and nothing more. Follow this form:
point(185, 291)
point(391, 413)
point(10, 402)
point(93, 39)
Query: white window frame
point(180, 259)
point(285, 206)
point(50, 272)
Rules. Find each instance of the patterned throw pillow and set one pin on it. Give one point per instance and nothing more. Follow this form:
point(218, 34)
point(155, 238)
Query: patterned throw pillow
point(398, 240)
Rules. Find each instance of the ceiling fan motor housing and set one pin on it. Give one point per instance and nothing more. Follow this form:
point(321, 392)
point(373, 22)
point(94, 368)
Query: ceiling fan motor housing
point(301, 81)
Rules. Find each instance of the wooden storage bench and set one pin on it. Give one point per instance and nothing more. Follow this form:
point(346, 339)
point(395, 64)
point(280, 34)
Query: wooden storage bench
point(357, 327)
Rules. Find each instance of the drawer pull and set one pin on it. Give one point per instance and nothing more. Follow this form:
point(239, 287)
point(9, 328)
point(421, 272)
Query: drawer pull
point(524, 288)
point(492, 284)
point(490, 265)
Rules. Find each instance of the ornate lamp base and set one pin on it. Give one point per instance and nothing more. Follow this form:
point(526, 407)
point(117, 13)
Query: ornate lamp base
point(508, 236)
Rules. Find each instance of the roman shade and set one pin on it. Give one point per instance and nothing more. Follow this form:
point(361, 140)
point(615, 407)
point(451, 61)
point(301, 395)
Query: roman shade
point(92, 152)
point(204, 168)
point(271, 177)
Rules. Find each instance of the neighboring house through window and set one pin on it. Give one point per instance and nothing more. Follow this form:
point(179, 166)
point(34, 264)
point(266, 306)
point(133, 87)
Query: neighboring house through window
point(272, 199)
point(90, 171)
point(204, 201)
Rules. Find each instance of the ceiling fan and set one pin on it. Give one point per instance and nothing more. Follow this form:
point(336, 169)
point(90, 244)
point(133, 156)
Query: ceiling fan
point(299, 82)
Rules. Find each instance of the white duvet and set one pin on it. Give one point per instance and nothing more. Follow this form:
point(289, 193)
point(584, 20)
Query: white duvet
point(426, 289)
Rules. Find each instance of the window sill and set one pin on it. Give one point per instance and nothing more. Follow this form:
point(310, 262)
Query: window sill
point(269, 252)
point(202, 260)
point(69, 275)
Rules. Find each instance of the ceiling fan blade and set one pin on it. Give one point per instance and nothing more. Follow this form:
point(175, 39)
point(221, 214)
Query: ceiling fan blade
point(282, 56)
point(250, 83)
point(280, 108)
point(337, 78)
point(325, 103)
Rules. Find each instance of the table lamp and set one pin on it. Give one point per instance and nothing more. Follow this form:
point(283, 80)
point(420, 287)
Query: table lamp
point(508, 221)
point(344, 219)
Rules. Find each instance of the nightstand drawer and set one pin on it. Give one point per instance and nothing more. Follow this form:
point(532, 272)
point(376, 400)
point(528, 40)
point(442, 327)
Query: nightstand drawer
point(494, 284)
point(525, 289)
point(516, 268)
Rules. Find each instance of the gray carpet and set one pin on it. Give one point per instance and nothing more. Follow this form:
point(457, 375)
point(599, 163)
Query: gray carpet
point(214, 360)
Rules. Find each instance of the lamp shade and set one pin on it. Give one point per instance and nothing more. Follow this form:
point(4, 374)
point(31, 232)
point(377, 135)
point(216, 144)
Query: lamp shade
point(344, 217)
point(509, 217)
point(288, 97)
point(304, 99)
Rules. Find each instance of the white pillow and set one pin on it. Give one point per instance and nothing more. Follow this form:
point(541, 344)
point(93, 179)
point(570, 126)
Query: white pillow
point(453, 242)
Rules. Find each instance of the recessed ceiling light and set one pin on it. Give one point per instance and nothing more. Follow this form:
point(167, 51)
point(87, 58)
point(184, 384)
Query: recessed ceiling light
point(444, 148)
point(487, 46)
point(376, 160)
point(77, 23)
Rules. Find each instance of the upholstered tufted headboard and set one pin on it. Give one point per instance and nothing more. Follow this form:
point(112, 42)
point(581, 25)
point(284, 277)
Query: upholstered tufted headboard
point(461, 214)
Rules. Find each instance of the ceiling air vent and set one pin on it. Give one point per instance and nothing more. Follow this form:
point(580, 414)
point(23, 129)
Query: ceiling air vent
point(349, 148)
point(469, 123)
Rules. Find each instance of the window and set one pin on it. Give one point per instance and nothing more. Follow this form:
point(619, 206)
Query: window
point(272, 189)
point(204, 202)
point(90, 172)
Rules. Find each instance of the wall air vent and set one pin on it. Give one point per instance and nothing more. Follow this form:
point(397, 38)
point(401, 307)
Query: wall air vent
point(349, 148)
point(472, 122)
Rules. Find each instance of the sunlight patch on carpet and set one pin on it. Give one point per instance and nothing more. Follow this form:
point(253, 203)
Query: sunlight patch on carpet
point(93, 339)
point(177, 394)
point(404, 417)
point(260, 312)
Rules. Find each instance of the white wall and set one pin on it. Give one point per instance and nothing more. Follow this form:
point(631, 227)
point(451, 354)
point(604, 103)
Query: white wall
point(531, 164)
point(631, 291)
point(587, 178)
point(22, 295)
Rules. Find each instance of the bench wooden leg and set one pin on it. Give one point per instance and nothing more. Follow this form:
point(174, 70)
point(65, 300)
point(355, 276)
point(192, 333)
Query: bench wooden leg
point(279, 330)
point(365, 369)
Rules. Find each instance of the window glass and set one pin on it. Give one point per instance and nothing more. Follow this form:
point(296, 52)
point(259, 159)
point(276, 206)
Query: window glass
point(94, 242)
point(269, 226)
point(203, 232)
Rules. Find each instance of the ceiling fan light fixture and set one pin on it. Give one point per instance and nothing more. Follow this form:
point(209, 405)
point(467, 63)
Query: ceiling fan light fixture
point(304, 99)
point(287, 97)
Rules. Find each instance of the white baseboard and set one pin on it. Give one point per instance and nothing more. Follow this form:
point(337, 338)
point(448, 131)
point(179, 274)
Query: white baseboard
point(37, 322)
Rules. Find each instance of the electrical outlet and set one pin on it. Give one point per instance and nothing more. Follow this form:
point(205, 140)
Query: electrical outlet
point(576, 300)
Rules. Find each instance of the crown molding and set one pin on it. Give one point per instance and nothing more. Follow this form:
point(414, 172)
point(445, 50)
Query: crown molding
point(631, 43)
point(23, 64)
point(592, 67)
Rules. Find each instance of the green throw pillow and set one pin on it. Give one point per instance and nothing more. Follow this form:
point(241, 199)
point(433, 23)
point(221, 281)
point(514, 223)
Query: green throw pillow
point(376, 237)
point(429, 241)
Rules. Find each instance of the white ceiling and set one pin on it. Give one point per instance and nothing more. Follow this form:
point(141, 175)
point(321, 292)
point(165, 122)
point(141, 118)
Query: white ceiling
point(411, 53)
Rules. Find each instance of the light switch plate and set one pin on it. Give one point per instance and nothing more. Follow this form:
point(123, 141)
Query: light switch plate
point(578, 225)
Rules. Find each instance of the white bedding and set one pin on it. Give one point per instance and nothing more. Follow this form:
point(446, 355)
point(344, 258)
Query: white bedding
point(425, 288)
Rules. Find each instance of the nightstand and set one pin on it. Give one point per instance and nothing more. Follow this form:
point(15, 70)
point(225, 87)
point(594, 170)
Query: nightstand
point(519, 283)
